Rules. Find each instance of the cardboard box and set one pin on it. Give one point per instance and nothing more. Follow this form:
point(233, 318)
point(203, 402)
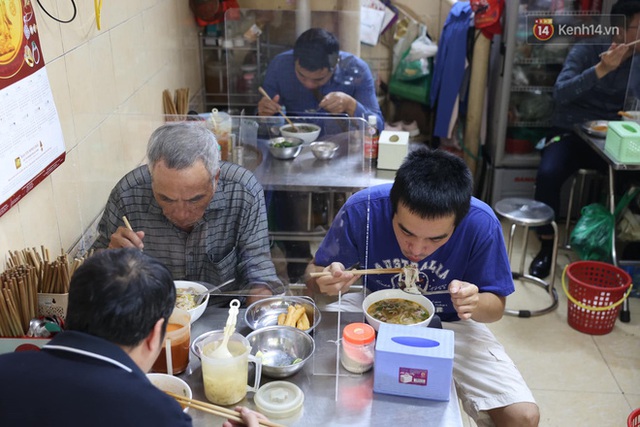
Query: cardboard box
point(414, 361)
point(392, 149)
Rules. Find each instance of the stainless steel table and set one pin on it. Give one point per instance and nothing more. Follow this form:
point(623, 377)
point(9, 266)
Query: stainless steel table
point(346, 172)
point(597, 144)
point(333, 396)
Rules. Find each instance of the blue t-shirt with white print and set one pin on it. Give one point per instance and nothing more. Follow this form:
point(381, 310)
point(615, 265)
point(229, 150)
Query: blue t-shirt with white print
point(362, 232)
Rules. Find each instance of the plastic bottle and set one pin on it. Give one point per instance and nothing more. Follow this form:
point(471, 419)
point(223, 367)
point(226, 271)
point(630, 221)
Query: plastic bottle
point(371, 139)
point(221, 127)
point(358, 347)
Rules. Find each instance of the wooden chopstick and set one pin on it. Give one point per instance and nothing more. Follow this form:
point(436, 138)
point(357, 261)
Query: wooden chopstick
point(359, 272)
point(216, 410)
point(606, 52)
point(266, 95)
point(126, 222)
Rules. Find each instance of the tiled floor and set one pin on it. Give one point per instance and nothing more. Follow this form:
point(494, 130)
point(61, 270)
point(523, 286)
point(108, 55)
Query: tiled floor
point(576, 378)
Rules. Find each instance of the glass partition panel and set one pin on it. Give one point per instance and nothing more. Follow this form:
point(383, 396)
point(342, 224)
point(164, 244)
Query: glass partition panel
point(302, 194)
point(632, 101)
point(252, 38)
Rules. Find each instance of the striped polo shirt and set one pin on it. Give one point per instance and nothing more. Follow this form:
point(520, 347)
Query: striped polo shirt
point(231, 240)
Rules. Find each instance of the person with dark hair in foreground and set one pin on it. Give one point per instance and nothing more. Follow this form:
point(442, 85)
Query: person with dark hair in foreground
point(93, 373)
point(428, 219)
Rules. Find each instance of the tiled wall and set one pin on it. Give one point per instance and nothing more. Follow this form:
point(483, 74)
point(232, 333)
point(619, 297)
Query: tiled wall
point(107, 85)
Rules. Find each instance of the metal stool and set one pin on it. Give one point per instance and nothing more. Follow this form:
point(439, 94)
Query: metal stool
point(530, 213)
point(582, 174)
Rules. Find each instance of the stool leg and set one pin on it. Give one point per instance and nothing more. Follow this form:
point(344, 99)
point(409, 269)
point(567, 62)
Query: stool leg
point(569, 214)
point(512, 231)
point(523, 249)
point(554, 256)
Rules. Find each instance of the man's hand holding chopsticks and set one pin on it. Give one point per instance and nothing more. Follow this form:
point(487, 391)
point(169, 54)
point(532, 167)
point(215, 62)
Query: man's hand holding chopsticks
point(269, 107)
point(340, 279)
point(125, 238)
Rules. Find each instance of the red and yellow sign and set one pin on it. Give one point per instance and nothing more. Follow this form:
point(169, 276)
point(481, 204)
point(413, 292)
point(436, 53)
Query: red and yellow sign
point(543, 29)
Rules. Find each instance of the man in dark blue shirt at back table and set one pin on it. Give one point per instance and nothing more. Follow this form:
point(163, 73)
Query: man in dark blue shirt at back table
point(314, 77)
point(592, 85)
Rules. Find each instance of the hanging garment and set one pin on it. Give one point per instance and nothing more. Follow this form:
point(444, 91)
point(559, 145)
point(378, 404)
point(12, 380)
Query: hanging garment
point(450, 66)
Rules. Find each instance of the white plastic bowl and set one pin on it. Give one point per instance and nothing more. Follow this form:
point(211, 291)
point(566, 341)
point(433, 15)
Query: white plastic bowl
point(399, 294)
point(307, 137)
point(196, 312)
point(171, 383)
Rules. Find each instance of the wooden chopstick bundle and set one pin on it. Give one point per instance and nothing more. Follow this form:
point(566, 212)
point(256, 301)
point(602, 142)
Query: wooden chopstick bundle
point(220, 411)
point(168, 104)
point(359, 272)
point(18, 300)
point(182, 101)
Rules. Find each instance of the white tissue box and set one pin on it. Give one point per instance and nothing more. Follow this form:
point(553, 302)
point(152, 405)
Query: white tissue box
point(392, 149)
point(414, 361)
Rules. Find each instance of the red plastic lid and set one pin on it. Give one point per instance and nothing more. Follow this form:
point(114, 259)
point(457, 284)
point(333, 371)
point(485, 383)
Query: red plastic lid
point(358, 333)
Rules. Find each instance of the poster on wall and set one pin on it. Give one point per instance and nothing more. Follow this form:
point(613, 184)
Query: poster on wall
point(31, 140)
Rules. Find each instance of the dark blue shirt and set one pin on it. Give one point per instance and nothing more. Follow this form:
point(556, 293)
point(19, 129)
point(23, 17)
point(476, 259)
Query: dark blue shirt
point(578, 93)
point(351, 76)
point(81, 380)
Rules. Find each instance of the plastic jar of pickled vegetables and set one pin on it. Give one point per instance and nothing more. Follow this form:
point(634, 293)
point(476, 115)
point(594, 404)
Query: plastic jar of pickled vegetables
point(358, 347)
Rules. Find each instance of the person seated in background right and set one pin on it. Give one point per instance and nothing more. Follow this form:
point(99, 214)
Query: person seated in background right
point(591, 86)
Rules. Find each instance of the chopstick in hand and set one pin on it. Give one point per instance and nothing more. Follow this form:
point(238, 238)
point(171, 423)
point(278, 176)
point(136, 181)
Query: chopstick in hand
point(606, 52)
point(217, 410)
point(126, 222)
point(358, 272)
point(266, 95)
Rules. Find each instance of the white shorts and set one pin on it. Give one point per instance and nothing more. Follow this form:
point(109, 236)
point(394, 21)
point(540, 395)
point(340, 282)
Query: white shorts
point(485, 377)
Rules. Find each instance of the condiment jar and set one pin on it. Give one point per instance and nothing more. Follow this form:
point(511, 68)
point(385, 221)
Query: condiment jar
point(358, 347)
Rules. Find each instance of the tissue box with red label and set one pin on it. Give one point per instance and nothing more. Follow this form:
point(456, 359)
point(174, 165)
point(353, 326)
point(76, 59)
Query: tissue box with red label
point(413, 361)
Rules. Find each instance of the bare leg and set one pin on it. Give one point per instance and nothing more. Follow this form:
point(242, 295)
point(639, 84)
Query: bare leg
point(523, 414)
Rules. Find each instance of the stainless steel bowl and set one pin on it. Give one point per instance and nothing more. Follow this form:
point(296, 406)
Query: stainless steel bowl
point(284, 350)
point(285, 153)
point(264, 312)
point(324, 150)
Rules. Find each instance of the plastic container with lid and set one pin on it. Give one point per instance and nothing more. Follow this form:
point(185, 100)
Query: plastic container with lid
point(358, 347)
point(279, 399)
point(221, 126)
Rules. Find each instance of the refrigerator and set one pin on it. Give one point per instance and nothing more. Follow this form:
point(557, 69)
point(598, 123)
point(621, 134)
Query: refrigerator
point(520, 88)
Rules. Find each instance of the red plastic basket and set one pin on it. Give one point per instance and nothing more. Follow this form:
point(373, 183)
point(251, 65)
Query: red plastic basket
point(634, 418)
point(595, 291)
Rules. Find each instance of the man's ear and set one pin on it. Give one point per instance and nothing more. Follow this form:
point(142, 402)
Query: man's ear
point(154, 340)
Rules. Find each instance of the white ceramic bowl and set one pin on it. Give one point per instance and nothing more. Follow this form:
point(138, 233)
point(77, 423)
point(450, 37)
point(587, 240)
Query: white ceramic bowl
point(196, 312)
point(400, 294)
point(308, 132)
point(173, 384)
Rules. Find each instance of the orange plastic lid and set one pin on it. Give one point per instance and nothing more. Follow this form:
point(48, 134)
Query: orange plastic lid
point(358, 333)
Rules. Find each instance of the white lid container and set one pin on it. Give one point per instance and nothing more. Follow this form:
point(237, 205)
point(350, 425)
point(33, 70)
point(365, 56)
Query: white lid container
point(279, 399)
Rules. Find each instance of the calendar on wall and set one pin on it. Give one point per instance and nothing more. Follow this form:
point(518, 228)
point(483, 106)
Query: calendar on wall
point(31, 142)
